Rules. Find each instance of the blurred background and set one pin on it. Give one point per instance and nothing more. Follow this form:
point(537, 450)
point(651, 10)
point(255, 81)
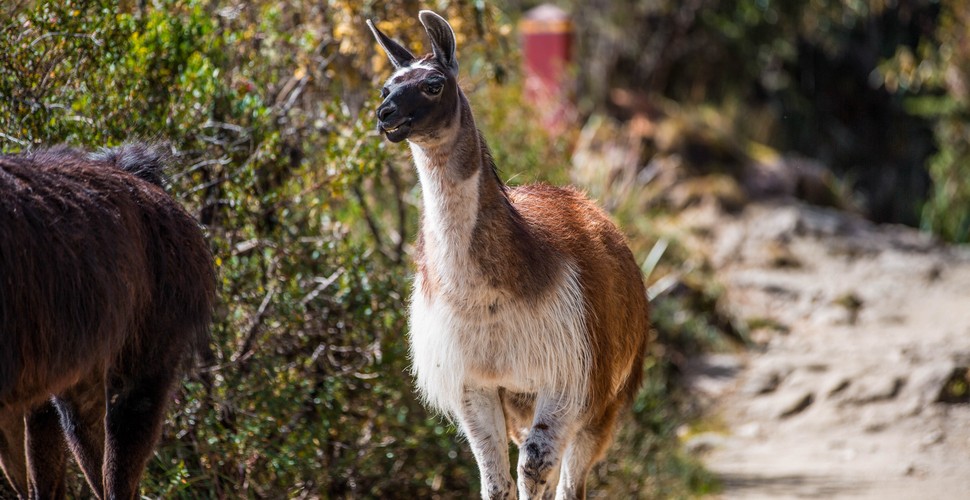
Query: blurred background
point(860, 105)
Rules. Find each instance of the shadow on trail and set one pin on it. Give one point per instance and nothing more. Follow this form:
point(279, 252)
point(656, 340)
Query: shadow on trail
point(790, 485)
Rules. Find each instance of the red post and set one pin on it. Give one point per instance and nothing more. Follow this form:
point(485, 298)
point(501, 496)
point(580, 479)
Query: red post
point(547, 39)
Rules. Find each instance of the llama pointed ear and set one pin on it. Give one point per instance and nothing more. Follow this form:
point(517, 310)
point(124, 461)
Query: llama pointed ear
point(399, 56)
point(442, 39)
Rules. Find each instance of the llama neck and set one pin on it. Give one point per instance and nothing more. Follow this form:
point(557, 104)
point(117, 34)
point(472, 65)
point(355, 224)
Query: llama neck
point(458, 188)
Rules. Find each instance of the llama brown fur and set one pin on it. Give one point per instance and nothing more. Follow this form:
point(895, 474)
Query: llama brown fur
point(568, 223)
point(529, 317)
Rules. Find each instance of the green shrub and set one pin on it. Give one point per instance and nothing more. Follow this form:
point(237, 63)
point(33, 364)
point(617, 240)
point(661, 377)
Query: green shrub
point(935, 81)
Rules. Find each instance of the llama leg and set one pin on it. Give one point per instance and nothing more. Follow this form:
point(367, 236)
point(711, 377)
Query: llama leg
point(13, 456)
point(136, 410)
point(539, 454)
point(519, 410)
point(82, 411)
point(585, 449)
point(483, 423)
point(46, 453)
point(552, 483)
point(577, 462)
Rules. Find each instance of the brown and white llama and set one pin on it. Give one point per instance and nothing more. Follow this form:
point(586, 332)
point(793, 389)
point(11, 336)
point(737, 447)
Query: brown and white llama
point(106, 290)
point(529, 318)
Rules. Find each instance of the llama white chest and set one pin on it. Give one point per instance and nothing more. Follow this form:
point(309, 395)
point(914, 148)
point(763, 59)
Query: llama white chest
point(476, 336)
point(469, 334)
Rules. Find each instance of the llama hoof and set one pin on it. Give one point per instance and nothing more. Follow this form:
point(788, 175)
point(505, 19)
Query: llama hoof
point(500, 491)
point(534, 470)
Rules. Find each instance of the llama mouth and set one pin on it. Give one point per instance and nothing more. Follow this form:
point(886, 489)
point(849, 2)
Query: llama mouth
point(398, 132)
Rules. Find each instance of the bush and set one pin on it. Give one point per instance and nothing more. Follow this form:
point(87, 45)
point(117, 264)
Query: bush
point(933, 78)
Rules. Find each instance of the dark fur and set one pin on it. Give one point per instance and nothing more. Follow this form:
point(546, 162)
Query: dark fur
point(106, 290)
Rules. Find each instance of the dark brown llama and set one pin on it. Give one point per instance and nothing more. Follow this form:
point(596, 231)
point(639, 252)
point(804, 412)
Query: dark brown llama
point(106, 290)
point(529, 318)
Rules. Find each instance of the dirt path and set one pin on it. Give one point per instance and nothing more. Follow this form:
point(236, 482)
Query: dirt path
point(860, 329)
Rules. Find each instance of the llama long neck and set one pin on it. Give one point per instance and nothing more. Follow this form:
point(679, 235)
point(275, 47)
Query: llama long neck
point(458, 186)
point(471, 235)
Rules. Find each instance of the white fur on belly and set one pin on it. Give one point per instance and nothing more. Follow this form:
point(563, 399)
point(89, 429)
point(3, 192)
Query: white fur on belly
point(539, 347)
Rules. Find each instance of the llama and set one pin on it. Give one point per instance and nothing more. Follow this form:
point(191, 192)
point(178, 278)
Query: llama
point(528, 318)
point(106, 289)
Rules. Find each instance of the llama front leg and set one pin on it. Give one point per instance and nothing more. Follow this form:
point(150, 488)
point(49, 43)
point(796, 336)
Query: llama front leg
point(46, 453)
point(483, 423)
point(539, 455)
point(13, 456)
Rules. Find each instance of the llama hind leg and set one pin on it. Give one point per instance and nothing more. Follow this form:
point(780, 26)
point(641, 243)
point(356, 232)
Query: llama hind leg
point(577, 462)
point(135, 413)
point(13, 456)
point(583, 452)
point(46, 453)
point(483, 423)
point(82, 410)
point(552, 483)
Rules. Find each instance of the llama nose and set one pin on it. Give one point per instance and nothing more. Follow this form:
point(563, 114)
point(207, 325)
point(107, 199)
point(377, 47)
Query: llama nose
point(385, 111)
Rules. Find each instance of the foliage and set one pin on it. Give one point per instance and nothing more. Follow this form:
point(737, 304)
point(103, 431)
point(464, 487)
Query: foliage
point(522, 148)
point(875, 90)
point(933, 77)
point(798, 76)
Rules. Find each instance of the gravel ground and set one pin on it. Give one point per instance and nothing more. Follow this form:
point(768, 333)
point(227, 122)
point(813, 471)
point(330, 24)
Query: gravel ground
point(862, 342)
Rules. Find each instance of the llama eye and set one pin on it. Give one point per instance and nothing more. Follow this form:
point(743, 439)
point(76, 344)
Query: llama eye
point(384, 92)
point(433, 88)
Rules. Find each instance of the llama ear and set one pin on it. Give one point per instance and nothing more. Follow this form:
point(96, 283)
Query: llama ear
point(399, 56)
point(442, 39)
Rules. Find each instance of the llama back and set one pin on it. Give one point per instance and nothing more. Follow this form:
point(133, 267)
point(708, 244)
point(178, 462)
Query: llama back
point(617, 311)
point(91, 258)
point(178, 254)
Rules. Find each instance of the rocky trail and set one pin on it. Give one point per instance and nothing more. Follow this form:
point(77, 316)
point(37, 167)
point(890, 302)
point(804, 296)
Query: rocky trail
point(857, 384)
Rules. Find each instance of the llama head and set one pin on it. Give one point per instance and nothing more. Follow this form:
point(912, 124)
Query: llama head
point(421, 98)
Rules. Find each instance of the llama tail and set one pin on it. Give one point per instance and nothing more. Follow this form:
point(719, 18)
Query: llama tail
point(145, 161)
